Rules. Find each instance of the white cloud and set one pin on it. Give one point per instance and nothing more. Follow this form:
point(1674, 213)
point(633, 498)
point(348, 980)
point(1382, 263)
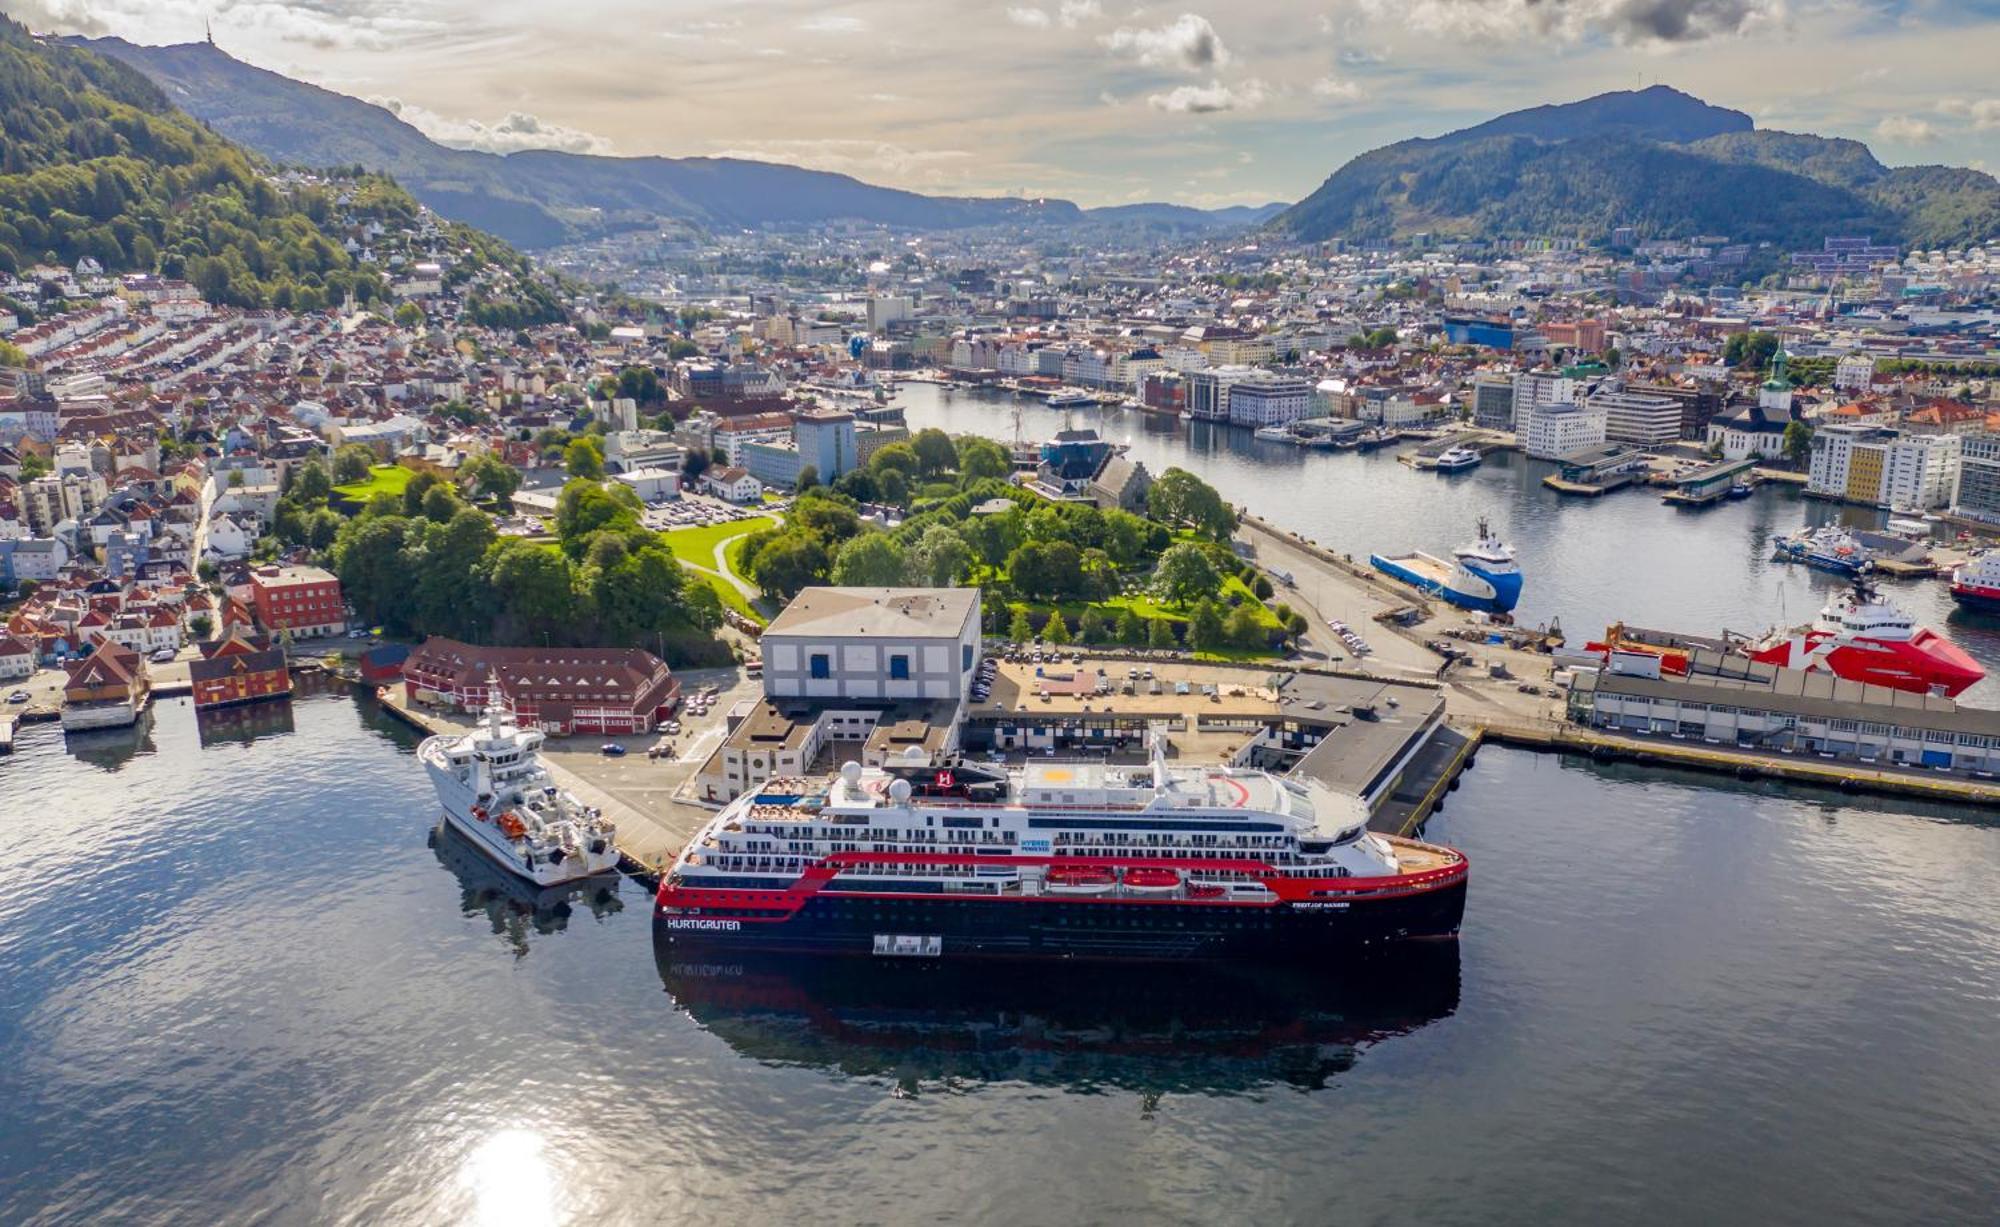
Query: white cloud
point(1207, 99)
point(833, 24)
point(1628, 22)
point(1073, 13)
point(1906, 131)
point(58, 16)
point(1983, 112)
point(1338, 88)
point(1189, 42)
point(518, 131)
point(1034, 19)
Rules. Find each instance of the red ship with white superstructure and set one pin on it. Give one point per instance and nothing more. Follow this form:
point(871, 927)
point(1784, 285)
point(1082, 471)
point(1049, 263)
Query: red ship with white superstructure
point(1860, 636)
point(1055, 859)
point(1864, 637)
point(1976, 584)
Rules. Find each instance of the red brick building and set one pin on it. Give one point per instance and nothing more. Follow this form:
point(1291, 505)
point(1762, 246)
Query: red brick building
point(305, 601)
point(558, 690)
point(239, 668)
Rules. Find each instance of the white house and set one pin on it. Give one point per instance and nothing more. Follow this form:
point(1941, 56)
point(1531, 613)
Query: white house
point(734, 484)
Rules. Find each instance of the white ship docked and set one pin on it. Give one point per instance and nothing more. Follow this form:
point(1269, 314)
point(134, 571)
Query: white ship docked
point(1064, 859)
point(495, 790)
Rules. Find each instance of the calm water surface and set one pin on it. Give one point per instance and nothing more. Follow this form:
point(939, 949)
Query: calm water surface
point(243, 983)
point(1589, 562)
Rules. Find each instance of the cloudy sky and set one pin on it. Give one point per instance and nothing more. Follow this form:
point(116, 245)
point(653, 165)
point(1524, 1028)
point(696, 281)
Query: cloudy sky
point(1102, 101)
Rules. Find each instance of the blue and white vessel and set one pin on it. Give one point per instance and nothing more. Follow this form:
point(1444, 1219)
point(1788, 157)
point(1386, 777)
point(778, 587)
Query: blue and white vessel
point(1482, 575)
point(1828, 547)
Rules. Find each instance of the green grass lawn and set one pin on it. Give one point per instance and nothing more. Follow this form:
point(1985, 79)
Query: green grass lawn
point(382, 479)
point(696, 544)
point(731, 598)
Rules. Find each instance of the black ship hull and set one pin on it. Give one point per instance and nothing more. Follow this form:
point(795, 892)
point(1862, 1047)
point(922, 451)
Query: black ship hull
point(836, 922)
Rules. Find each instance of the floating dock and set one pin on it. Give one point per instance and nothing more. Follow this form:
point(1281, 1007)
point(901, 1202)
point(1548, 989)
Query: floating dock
point(1706, 487)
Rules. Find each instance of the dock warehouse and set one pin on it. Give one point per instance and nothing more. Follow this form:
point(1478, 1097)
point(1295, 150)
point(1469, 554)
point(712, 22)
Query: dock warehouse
point(1731, 699)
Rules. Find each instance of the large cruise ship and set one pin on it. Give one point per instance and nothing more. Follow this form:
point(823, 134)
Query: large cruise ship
point(1063, 859)
point(495, 790)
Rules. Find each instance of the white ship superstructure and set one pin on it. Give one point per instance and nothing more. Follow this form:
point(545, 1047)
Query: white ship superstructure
point(1163, 862)
point(495, 789)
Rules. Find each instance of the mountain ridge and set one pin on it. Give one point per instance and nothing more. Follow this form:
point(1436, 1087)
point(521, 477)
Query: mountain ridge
point(538, 197)
point(1659, 160)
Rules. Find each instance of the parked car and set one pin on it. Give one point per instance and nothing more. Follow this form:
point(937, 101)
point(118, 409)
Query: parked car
point(164, 656)
point(19, 696)
point(613, 749)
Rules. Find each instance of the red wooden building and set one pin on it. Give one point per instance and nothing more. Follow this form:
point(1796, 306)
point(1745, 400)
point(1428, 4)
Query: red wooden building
point(239, 668)
point(558, 690)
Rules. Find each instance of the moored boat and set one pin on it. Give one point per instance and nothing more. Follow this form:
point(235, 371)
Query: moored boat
point(1080, 860)
point(1482, 575)
point(1975, 584)
point(1860, 636)
point(1828, 547)
point(1456, 460)
point(496, 792)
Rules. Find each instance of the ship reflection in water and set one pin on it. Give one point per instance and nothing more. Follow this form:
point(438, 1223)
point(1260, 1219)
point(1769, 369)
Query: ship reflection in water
point(1150, 1029)
point(517, 909)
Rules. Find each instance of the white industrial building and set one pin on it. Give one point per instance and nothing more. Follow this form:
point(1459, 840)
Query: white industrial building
point(873, 643)
point(1550, 431)
point(1638, 418)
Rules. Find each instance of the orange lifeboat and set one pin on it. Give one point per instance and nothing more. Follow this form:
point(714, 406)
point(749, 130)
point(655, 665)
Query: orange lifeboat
point(511, 825)
point(1144, 878)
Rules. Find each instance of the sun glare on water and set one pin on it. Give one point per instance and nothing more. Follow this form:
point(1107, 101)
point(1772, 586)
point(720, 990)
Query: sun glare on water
point(510, 1180)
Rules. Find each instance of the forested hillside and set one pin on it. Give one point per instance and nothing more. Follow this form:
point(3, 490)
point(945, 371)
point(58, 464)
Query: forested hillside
point(94, 162)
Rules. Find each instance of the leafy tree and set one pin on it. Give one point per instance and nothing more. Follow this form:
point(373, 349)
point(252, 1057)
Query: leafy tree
point(936, 453)
point(808, 478)
point(322, 528)
point(351, 464)
point(871, 560)
point(1159, 634)
point(1205, 629)
point(982, 458)
point(940, 558)
point(898, 456)
point(1798, 442)
point(694, 464)
point(1242, 628)
point(452, 595)
point(409, 315)
point(585, 508)
point(1091, 628)
point(1179, 497)
point(1753, 349)
point(790, 562)
point(33, 465)
point(894, 488)
point(311, 485)
point(414, 492)
point(582, 458)
point(1019, 628)
point(368, 557)
point(201, 626)
point(12, 355)
point(1130, 628)
point(536, 586)
point(491, 477)
point(859, 485)
point(1055, 630)
point(440, 503)
point(1184, 575)
point(1046, 570)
